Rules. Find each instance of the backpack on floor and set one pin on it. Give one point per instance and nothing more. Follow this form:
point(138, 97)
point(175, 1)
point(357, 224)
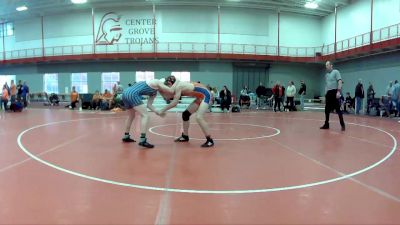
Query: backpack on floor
point(235, 108)
point(16, 107)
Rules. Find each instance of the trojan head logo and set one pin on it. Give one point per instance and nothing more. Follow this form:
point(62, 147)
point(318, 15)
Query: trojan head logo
point(109, 29)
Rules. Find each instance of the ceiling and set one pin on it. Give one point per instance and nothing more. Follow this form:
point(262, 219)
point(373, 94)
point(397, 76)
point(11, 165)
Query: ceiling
point(51, 7)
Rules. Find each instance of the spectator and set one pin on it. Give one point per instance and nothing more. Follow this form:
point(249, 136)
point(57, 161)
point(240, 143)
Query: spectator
point(25, 94)
point(8, 89)
point(278, 91)
point(290, 92)
point(389, 88)
point(19, 90)
point(302, 93)
point(261, 92)
point(120, 88)
point(211, 103)
point(13, 90)
point(117, 100)
point(348, 104)
point(4, 97)
point(114, 89)
point(74, 98)
point(359, 96)
point(106, 102)
point(384, 105)
point(226, 99)
point(244, 97)
point(396, 97)
point(370, 96)
point(284, 94)
point(216, 93)
point(96, 100)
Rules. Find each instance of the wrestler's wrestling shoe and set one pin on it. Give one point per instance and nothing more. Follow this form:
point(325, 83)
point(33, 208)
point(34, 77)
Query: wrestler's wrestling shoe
point(209, 143)
point(146, 144)
point(182, 138)
point(127, 138)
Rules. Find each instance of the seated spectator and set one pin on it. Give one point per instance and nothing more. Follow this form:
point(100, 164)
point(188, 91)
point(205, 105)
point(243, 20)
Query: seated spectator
point(53, 99)
point(107, 100)
point(244, 97)
point(216, 95)
point(74, 98)
point(384, 105)
point(96, 100)
point(348, 103)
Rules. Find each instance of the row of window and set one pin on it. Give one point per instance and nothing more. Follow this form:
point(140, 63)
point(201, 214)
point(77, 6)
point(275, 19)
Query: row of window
point(8, 27)
point(80, 81)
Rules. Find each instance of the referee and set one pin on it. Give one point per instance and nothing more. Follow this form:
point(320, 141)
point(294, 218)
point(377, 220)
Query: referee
point(333, 93)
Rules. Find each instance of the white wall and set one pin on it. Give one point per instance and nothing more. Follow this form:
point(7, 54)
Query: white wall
point(300, 31)
point(188, 24)
point(328, 29)
point(352, 20)
point(200, 24)
point(355, 19)
point(59, 30)
point(173, 24)
point(386, 13)
point(248, 26)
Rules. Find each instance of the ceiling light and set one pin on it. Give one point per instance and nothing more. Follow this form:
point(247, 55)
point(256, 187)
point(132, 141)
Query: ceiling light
point(311, 5)
point(21, 8)
point(78, 1)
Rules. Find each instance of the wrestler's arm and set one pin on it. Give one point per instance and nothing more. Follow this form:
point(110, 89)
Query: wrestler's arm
point(150, 104)
point(174, 102)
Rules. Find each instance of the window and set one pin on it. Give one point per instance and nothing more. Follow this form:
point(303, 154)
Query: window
point(108, 80)
point(144, 75)
point(79, 80)
point(183, 76)
point(7, 79)
point(8, 27)
point(50, 83)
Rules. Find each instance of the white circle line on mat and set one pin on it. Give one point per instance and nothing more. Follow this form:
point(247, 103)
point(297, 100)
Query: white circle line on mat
point(194, 191)
point(277, 131)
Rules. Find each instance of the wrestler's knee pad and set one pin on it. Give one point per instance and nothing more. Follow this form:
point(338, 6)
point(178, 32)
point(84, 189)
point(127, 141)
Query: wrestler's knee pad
point(186, 115)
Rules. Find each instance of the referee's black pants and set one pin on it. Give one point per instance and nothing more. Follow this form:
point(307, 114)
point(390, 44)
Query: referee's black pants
point(332, 103)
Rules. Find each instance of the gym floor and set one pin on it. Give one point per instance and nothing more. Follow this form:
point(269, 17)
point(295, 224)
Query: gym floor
point(71, 167)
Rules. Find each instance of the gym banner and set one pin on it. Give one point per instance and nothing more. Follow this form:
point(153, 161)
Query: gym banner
point(125, 27)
